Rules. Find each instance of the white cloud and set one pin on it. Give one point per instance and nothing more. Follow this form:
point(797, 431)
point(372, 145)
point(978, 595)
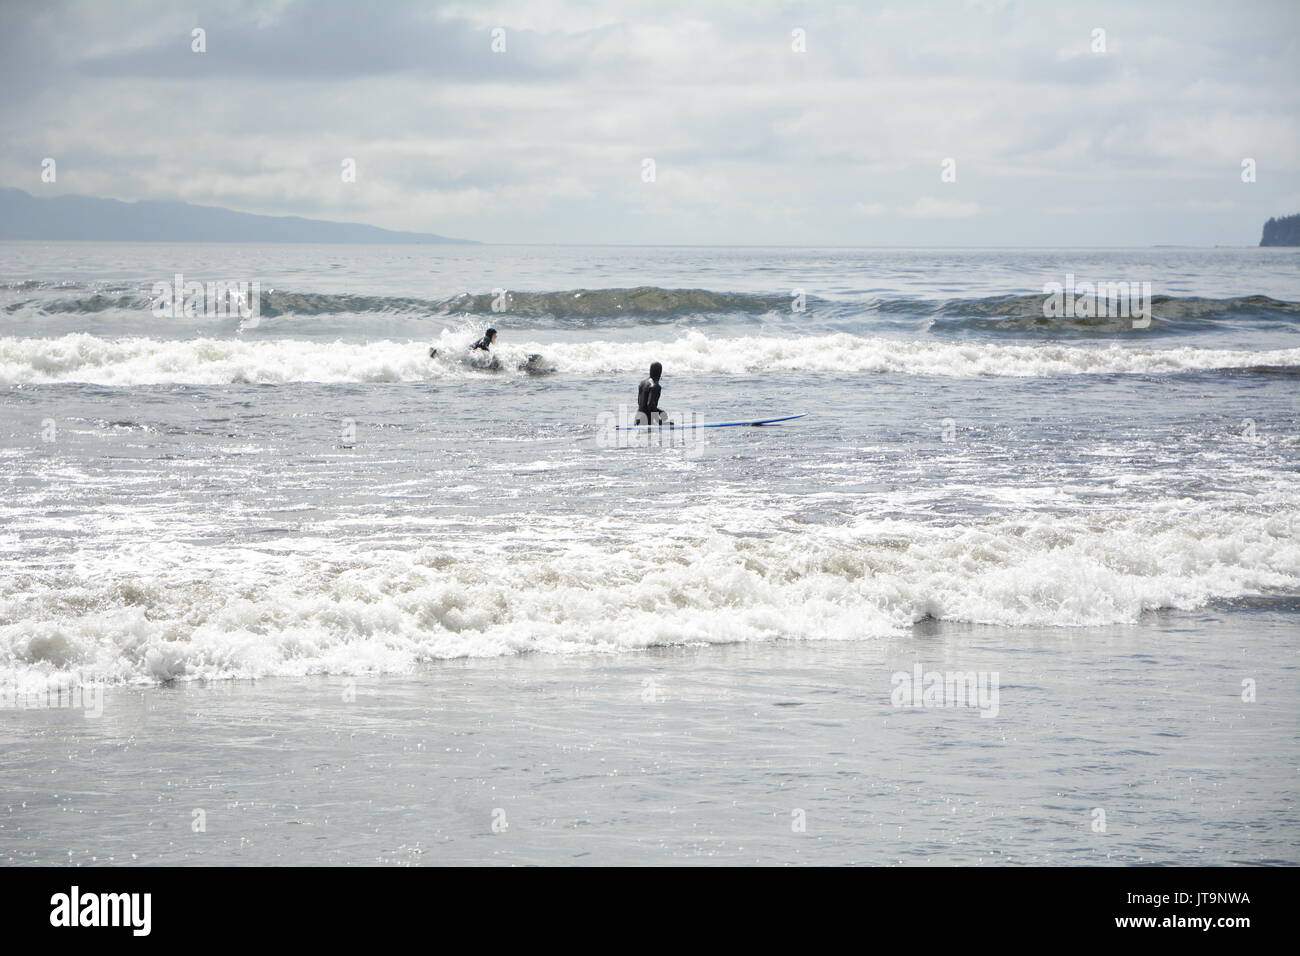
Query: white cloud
point(928, 207)
point(869, 208)
point(754, 143)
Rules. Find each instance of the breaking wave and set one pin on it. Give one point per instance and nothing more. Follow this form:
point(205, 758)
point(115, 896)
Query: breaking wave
point(650, 305)
point(576, 307)
point(157, 611)
point(146, 361)
point(1019, 313)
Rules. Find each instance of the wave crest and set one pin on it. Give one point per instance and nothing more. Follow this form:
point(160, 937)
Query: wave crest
point(143, 361)
point(147, 614)
point(651, 305)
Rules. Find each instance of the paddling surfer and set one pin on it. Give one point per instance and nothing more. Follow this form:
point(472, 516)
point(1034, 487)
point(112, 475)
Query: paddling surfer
point(483, 344)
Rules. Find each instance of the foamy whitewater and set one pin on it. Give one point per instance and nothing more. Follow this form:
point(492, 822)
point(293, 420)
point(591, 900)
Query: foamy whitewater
point(312, 494)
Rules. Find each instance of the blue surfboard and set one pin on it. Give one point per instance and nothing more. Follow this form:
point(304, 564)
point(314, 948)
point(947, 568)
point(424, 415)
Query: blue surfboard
point(756, 421)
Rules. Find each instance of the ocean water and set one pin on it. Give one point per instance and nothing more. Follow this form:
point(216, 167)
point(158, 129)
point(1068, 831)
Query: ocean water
point(280, 507)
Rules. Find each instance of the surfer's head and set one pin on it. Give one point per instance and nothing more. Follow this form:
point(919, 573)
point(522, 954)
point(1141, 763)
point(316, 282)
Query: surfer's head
point(490, 335)
point(656, 370)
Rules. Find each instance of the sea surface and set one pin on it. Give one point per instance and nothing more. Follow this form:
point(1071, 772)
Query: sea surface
point(299, 565)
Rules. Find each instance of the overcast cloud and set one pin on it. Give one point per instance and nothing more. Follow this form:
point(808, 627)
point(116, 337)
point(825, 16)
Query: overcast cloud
point(752, 142)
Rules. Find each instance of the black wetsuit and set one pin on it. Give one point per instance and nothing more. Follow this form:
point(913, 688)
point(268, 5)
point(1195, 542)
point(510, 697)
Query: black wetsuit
point(483, 344)
point(648, 411)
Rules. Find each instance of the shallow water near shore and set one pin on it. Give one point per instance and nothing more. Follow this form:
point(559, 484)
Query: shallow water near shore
point(693, 755)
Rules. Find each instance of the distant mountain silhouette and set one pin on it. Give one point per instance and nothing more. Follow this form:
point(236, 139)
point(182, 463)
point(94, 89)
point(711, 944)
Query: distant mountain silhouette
point(23, 216)
point(1282, 232)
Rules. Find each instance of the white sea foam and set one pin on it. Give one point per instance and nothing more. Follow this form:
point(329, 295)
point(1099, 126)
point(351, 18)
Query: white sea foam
point(157, 611)
point(146, 361)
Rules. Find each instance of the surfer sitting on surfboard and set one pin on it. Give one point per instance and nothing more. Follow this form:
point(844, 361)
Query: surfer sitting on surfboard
point(648, 411)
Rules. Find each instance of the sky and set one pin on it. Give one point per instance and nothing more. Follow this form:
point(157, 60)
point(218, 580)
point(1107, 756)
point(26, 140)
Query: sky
point(976, 123)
